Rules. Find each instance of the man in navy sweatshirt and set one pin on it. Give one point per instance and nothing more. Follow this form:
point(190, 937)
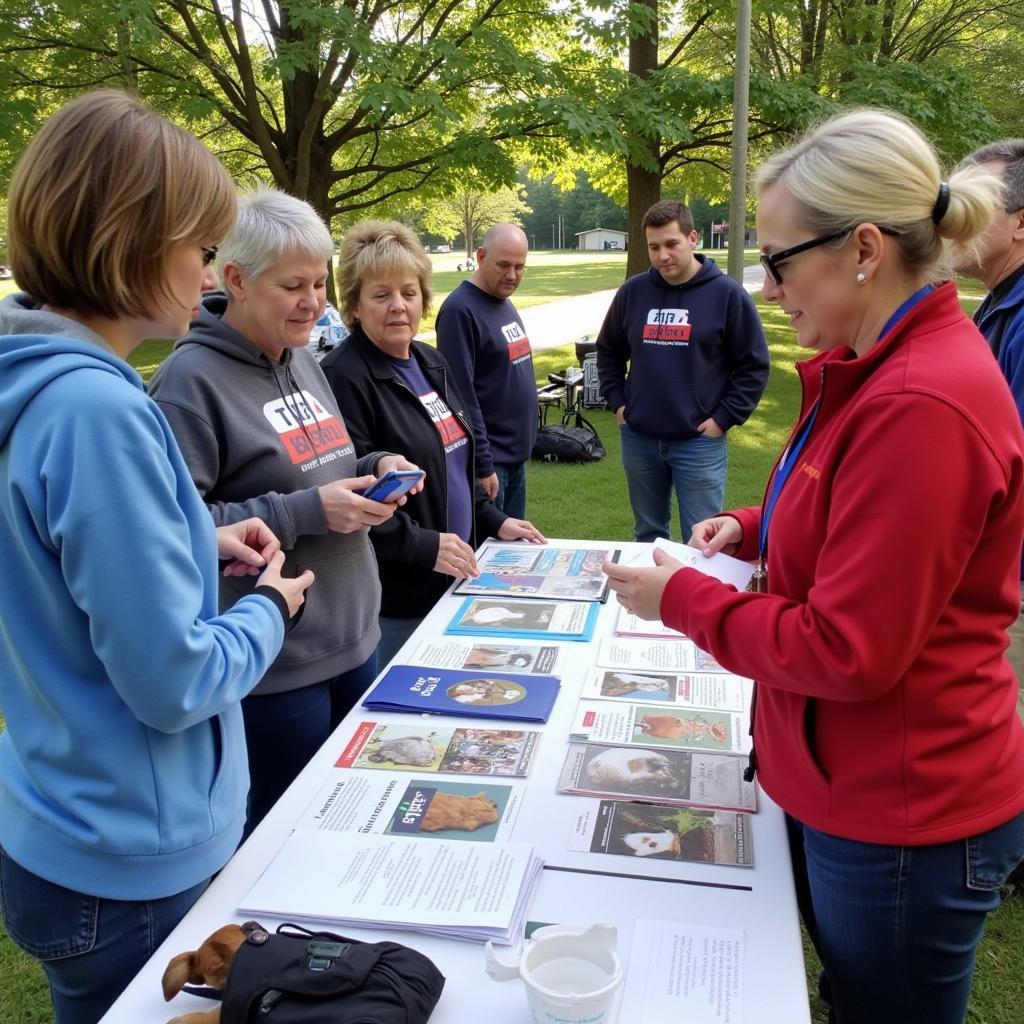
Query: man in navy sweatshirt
point(697, 365)
point(482, 336)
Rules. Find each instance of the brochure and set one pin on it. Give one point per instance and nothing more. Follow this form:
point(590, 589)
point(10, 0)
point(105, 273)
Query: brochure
point(454, 890)
point(714, 692)
point(449, 691)
point(454, 652)
point(647, 725)
point(482, 811)
point(525, 619)
point(658, 832)
point(729, 570)
point(635, 655)
point(526, 570)
point(677, 777)
point(628, 624)
point(419, 748)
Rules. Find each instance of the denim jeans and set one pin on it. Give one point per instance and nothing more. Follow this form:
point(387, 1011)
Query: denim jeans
point(511, 497)
point(284, 730)
point(897, 928)
point(695, 468)
point(90, 948)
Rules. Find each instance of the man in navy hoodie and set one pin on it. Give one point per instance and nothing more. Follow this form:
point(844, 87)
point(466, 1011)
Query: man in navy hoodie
point(697, 365)
point(482, 336)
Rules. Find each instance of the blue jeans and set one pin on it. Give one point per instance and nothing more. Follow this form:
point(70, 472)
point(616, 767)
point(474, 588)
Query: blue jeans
point(90, 948)
point(393, 634)
point(695, 468)
point(897, 928)
point(511, 497)
point(284, 730)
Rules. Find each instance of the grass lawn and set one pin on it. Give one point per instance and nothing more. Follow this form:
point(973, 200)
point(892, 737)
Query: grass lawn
point(589, 501)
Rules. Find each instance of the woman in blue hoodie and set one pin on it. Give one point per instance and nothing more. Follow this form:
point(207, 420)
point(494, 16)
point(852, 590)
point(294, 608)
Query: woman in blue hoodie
point(122, 767)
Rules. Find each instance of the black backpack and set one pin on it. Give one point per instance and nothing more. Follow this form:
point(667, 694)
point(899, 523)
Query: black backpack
point(559, 442)
point(295, 976)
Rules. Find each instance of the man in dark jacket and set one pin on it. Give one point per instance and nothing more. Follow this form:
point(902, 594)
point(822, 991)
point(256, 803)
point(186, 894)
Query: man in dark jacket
point(698, 365)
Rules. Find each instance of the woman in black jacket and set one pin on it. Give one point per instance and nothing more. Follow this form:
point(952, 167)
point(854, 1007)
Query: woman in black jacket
point(394, 390)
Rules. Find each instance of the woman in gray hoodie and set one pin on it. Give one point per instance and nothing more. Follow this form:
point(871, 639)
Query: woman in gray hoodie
point(262, 435)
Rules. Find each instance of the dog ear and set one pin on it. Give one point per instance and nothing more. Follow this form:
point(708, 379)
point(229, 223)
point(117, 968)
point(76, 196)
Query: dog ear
point(180, 970)
point(217, 957)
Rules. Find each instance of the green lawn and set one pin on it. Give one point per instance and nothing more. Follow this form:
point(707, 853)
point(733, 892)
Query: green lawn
point(589, 501)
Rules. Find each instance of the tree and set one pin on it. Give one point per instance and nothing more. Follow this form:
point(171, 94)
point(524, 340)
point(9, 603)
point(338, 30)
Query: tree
point(471, 213)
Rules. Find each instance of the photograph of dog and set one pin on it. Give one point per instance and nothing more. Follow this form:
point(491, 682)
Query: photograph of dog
point(208, 966)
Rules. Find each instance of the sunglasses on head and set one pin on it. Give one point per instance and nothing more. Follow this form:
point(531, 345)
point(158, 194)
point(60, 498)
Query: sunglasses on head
point(209, 254)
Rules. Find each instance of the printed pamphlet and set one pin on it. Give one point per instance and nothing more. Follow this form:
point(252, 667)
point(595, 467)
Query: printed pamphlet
point(629, 624)
point(714, 692)
point(644, 725)
point(420, 748)
point(648, 655)
point(526, 570)
point(525, 619)
point(454, 652)
point(658, 832)
point(449, 691)
point(683, 778)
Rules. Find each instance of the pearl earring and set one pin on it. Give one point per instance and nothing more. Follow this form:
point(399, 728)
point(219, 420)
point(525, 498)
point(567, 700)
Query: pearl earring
point(861, 278)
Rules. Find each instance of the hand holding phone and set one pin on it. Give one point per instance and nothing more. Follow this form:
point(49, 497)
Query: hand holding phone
point(394, 484)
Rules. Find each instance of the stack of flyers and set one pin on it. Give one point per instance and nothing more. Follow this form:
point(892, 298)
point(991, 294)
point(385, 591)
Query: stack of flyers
point(647, 655)
point(714, 692)
point(454, 652)
point(681, 778)
point(629, 624)
point(600, 721)
point(440, 749)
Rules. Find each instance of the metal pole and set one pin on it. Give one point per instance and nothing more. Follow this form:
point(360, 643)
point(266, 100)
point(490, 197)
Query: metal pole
point(740, 115)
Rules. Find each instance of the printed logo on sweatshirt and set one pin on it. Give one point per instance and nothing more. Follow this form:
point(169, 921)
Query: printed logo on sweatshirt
point(518, 342)
point(307, 429)
point(452, 434)
point(667, 327)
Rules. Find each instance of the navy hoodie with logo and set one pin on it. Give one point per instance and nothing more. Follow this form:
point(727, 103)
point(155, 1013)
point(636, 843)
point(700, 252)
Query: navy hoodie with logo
point(694, 350)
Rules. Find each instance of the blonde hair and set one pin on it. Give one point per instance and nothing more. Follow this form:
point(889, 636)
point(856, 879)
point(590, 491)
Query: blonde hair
point(98, 199)
point(376, 249)
point(874, 166)
point(269, 224)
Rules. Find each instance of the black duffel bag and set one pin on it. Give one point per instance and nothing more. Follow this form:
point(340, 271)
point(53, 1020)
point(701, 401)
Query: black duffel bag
point(295, 976)
point(559, 442)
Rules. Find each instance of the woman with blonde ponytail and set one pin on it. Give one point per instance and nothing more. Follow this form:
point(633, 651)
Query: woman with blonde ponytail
point(888, 550)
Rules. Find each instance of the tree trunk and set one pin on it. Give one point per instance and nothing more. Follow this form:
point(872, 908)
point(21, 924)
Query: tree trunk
point(643, 184)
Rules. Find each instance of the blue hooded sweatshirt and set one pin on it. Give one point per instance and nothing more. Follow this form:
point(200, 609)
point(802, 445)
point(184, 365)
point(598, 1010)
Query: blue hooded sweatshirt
point(122, 768)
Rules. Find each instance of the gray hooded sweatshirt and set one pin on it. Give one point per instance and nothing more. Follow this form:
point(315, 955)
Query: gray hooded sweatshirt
point(260, 437)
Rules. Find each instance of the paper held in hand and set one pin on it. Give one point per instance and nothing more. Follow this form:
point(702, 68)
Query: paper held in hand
point(450, 889)
point(721, 567)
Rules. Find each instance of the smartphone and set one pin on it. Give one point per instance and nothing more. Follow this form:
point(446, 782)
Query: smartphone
point(393, 484)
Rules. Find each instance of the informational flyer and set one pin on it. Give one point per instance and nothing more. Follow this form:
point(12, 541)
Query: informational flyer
point(714, 692)
point(629, 624)
point(655, 833)
point(528, 570)
point(442, 888)
point(525, 619)
point(683, 972)
point(647, 655)
point(433, 809)
point(602, 721)
point(452, 652)
point(722, 567)
point(681, 778)
point(419, 748)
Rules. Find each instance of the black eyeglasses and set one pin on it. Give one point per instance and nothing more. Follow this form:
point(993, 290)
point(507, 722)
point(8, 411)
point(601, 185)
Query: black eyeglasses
point(209, 254)
point(772, 261)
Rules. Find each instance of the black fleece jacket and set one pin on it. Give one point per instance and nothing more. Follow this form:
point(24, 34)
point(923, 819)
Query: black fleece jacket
point(381, 413)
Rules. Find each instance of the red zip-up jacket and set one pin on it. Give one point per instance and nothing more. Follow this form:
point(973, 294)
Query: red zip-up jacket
point(885, 707)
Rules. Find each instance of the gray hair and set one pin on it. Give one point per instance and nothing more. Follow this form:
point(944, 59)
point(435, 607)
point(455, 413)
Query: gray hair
point(269, 224)
point(1011, 153)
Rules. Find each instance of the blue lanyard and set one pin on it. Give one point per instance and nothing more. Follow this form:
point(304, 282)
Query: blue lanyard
point(790, 455)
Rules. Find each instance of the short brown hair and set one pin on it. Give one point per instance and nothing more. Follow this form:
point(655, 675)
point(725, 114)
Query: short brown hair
point(667, 211)
point(376, 248)
point(99, 197)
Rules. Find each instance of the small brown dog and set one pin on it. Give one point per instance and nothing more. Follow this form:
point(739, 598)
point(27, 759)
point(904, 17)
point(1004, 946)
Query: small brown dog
point(208, 965)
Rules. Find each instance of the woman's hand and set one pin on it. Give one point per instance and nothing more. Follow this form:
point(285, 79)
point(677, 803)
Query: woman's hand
point(390, 462)
point(640, 590)
point(720, 533)
point(347, 511)
point(249, 544)
point(293, 590)
point(520, 529)
point(455, 557)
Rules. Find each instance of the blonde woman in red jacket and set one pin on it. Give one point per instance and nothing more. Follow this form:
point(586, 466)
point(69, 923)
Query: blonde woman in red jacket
point(888, 547)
